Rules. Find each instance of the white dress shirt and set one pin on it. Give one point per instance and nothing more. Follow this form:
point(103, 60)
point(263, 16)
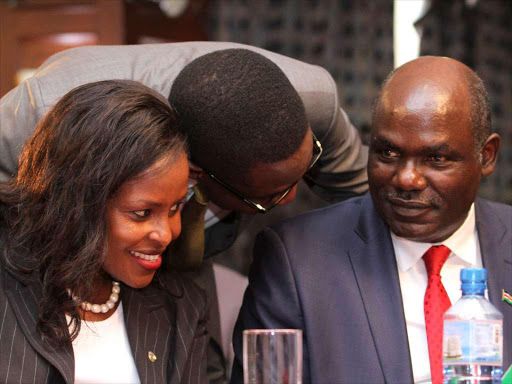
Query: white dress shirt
point(465, 253)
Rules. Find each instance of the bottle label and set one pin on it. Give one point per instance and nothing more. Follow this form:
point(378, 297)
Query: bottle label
point(473, 342)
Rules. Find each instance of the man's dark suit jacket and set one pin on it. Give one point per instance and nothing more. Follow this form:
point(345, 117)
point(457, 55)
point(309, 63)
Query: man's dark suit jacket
point(170, 322)
point(333, 274)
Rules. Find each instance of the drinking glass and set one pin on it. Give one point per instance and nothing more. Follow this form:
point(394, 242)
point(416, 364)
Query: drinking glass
point(272, 356)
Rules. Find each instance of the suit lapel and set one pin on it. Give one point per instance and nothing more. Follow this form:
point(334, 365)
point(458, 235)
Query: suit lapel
point(377, 277)
point(496, 250)
point(23, 295)
point(150, 319)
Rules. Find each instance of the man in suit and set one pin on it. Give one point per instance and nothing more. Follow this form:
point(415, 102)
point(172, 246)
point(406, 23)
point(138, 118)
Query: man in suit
point(257, 122)
point(351, 275)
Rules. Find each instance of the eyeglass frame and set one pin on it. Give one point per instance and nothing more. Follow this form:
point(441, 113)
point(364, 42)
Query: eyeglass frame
point(257, 206)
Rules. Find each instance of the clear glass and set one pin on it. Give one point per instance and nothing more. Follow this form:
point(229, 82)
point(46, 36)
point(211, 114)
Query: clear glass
point(272, 356)
point(473, 308)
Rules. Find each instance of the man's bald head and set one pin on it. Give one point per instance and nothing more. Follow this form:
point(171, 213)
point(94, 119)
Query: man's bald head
point(446, 82)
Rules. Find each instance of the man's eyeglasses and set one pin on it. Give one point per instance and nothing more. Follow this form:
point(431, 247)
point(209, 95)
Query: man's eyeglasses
point(276, 199)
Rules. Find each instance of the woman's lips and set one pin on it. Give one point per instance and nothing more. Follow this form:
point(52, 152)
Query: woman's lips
point(149, 261)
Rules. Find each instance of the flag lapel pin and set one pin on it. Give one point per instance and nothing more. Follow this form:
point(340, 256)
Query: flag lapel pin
point(506, 297)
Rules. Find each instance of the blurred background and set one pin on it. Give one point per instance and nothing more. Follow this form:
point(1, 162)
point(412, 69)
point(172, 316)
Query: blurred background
point(358, 41)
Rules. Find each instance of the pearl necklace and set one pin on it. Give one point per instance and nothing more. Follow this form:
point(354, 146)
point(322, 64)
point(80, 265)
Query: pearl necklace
point(103, 308)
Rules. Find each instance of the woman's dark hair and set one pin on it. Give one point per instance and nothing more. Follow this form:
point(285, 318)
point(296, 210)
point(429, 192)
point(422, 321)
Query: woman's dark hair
point(97, 137)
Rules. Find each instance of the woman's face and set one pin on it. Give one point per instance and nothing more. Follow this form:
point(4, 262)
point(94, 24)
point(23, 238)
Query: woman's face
point(143, 217)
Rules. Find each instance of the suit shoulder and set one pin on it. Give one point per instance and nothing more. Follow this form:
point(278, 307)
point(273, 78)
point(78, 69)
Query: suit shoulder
point(496, 209)
point(345, 214)
point(350, 206)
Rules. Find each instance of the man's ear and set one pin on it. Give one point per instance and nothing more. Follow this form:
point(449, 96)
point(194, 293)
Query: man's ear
point(489, 154)
point(196, 172)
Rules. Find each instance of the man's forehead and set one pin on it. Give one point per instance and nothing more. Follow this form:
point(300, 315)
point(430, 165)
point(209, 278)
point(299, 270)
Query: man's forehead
point(422, 104)
point(417, 98)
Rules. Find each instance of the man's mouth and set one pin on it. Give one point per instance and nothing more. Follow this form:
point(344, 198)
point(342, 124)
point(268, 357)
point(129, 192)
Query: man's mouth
point(409, 204)
point(408, 209)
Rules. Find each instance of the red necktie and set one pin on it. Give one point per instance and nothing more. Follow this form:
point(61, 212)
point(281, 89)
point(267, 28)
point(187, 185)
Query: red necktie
point(436, 302)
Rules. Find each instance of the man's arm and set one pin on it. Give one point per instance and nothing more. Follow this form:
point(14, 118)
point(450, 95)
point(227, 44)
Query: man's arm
point(270, 300)
point(340, 173)
point(20, 111)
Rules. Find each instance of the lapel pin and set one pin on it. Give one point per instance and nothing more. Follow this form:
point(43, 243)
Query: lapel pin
point(151, 356)
point(506, 297)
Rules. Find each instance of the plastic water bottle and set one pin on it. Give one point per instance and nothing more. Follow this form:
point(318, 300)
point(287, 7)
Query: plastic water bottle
point(473, 334)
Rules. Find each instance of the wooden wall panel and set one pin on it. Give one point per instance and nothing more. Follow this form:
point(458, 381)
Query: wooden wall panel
point(31, 31)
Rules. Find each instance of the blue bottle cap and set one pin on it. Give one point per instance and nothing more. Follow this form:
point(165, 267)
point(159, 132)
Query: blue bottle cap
point(473, 275)
point(473, 280)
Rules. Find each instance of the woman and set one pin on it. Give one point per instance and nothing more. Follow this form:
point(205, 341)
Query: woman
point(83, 229)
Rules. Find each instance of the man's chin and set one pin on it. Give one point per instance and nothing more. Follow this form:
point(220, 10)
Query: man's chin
point(421, 233)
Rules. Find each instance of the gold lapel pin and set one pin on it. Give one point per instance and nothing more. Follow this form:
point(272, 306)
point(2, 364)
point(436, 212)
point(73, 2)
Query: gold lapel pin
point(151, 356)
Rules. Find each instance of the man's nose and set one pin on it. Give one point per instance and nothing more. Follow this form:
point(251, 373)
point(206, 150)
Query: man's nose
point(409, 177)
